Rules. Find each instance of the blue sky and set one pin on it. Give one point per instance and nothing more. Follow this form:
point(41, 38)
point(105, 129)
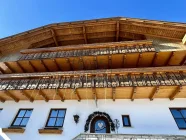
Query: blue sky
point(21, 15)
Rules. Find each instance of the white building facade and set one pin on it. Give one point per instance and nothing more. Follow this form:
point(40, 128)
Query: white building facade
point(147, 117)
point(104, 79)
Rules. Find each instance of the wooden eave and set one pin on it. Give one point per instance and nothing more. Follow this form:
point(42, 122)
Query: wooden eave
point(92, 31)
point(141, 83)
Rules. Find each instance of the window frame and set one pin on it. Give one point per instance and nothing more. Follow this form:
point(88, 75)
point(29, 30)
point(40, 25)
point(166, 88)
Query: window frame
point(180, 118)
point(46, 126)
point(128, 120)
point(12, 124)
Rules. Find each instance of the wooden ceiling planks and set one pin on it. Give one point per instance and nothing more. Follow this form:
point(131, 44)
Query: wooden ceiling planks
point(87, 94)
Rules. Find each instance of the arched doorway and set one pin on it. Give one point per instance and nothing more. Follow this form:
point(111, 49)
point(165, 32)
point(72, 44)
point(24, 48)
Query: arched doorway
point(99, 124)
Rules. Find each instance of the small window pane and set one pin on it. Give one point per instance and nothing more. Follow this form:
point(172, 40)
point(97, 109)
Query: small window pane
point(17, 121)
point(54, 113)
point(183, 112)
point(181, 123)
point(126, 121)
point(59, 122)
point(24, 121)
point(176, 113)
point(21, 113)
point(61, 113)
point(51, 122)
point(28, 113)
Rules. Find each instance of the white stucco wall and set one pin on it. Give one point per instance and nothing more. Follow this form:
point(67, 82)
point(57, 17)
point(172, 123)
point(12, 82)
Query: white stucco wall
point(147, 117)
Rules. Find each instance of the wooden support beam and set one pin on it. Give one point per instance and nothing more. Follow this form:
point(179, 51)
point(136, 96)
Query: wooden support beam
point(30, 63)
point(27, 95)
point(168, 61)
point(19, 65)
point(154, 59)
point(124, 60)
point(54, 37)
point(7, 65)
point(43, 95)
point(184, 40)
point(110, 62)
point(2, 71)
point(155, 91)
point(2, 100)
point(183, 62)
point(44, 65)
point(176, 92)
point(68, 61)
point(77, 95)
point(58, 67)
point(113, 93)
point(140, 56)
point(85, 35)
point(60, 94)
point(117, 31)
point(11, 95)
point(133, 93)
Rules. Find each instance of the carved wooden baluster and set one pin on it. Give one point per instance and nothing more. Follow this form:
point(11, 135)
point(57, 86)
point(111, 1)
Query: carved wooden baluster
point(93, 82)
point(138, 80)
point(35, 83)
point(165, 78)
point(173, 77)
point(10, 85)
point(121, 81)
point(101, 81)
point(29, 84)
point(160, 79)
point(50, 86)
point(73, 85)
point(184, 77)
point(152, 80)
point(109, 81)
point(67, 83)
point(125, 80)
point(105, 79)
point(62, 81)
point(96, 81)
point(133, 78)
point(180, 79)
point(147, 80)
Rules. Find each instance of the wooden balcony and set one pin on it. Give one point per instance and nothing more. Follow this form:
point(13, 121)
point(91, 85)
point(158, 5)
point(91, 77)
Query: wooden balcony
point(141, 83)
point(95, 56)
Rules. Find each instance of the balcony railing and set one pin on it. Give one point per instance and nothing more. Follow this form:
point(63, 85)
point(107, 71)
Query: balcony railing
point(98, 81)
point(91, 136)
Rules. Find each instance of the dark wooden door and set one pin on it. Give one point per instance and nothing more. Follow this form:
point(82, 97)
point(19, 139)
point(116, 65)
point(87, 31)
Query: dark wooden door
point(100, 125)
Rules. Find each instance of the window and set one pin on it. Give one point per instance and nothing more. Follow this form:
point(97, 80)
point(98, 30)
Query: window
point(126, 120)
point(56, 118)
point(22, 117)
point(179, 115)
